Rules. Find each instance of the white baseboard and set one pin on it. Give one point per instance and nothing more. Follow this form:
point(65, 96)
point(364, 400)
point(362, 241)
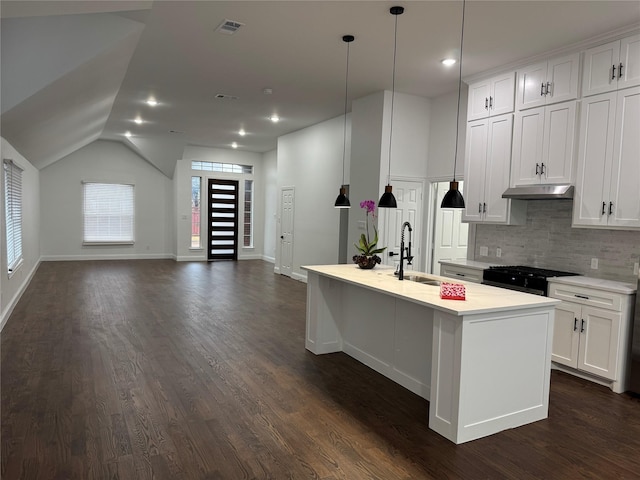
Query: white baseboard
point(268, 259)
point(16, 298)
point(149, 256)
point(300, 277)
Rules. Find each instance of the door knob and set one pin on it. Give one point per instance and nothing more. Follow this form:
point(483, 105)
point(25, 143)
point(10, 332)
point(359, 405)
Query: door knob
point(282, 237)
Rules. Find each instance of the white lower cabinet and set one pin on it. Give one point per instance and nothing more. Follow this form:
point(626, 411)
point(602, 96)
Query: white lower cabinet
point(591, 333)
point(468, 274)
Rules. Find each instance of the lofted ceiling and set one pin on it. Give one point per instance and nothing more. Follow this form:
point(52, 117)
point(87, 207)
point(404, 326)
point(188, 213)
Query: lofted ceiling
point(77, 71)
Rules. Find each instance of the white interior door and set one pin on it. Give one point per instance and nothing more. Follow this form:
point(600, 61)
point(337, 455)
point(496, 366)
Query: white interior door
point(287, 198)
point(450, 235)
point(409, 198)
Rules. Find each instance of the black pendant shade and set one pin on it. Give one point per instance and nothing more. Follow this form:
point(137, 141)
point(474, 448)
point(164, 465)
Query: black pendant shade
point(387, 200)
point(342, 201)
point(453, 198)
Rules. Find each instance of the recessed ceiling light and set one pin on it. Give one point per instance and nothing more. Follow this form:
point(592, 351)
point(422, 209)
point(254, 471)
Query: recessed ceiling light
point(138, 120)
point(152, 102)
point(274, 118)
point(448, 62)
point(127, 134)
point(241, 132)
point(234, 145)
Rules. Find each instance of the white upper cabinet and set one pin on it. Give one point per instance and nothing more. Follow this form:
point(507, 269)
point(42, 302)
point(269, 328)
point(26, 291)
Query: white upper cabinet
point(608, 176)
point(487, 167)
point(548, 82)
point(543, 145)
point(494, 96)
point(611, 66)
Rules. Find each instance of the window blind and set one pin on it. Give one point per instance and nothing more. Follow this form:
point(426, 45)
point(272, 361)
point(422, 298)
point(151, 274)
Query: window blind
point(13, 213)
point(108, 211)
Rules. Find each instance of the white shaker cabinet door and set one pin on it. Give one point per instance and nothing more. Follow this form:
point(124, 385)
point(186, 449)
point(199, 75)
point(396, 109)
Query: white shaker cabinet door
point(498, 168)
point(475, 165)
point(624, 197)
point(528, 136)
point(562, 78)
point(630, 60)
point(558, 159)
point(597, 123)
point(598, 75)
point(503, 99)
point(531, 86)
point(600, 333)
point(566, 334)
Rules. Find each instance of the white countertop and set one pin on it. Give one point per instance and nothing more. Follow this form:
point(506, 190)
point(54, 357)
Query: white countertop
point(479, 298)
point(468, 263)
point(597, 283)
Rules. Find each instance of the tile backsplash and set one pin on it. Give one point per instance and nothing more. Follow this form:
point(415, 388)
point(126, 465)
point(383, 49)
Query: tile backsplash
point(548, 241)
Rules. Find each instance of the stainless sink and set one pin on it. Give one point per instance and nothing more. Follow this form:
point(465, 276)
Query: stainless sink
point(422, 279)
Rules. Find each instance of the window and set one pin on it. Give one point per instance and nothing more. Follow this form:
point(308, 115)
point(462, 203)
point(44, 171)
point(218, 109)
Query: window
point(13, 213)
point(248, 213)
point(108, 211)
point(195, 212)
point(222, 167)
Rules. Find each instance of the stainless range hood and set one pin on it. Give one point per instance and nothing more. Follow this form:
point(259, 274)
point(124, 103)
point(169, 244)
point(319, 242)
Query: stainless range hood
point(539, 192)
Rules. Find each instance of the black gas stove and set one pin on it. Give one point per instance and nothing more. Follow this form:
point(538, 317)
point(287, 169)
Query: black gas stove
point(525, 279)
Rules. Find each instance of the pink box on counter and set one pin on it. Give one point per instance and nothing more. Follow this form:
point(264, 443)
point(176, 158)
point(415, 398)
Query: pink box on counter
point(452, 291)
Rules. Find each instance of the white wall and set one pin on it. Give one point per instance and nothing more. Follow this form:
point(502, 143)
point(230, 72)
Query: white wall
point(270, 199)
point(182, 179)
point(61, 204)
point(310, 160)
point(370, 150)
point(443, 135)
point(12, 288)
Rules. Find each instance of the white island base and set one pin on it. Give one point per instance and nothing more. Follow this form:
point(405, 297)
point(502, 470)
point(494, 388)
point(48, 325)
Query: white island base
point(483, 363)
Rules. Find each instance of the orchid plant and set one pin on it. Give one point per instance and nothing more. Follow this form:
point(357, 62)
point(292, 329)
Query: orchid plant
point(366, 246)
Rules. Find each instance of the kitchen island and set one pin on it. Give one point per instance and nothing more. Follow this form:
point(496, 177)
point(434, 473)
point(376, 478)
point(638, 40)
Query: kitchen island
point(483, 363)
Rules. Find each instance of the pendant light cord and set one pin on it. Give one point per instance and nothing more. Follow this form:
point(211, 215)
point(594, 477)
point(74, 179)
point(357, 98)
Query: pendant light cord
point(393, 93)
point(455, 157)
point(346, 91)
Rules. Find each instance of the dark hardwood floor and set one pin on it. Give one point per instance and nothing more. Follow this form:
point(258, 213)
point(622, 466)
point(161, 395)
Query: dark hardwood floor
point(165, 370)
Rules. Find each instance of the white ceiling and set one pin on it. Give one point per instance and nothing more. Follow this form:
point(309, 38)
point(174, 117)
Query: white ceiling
point(70, 82)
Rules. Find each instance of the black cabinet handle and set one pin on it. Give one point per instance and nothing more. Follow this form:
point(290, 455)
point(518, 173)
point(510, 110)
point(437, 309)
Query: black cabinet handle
point(620, 70)
point(548, 89)
point(581, 326)
point(490, 102)
point(542, 169)
point(537, 169)
point(486, 103)
point(613, 72)
point(604, 205)
point(479, 207)
point(282, 237)
point(575, 324)
point(581, 296)
point(542, 89)
point(610, 208)
point(484, 208)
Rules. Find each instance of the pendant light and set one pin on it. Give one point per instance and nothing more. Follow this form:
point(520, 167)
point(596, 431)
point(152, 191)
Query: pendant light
point(453, 198)
point(343, 201)
point(388, 200)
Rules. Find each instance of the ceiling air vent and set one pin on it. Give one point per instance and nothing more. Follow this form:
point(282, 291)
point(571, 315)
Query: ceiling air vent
point(229, 27)
point(224, 96)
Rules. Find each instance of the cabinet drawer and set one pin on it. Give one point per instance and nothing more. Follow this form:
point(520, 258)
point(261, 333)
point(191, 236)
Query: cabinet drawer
point(586, 296)
point(461, 273)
